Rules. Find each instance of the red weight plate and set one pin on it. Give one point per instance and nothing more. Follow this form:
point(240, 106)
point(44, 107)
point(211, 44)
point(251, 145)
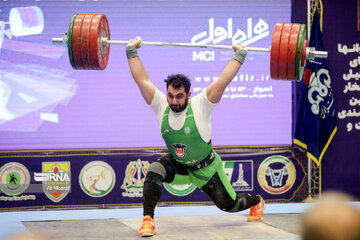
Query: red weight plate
point(283, 51)
point(291, 58)
point(99, 53)
point(274, 51)
point(85, 30)
point(303, 56)
point(76, 41)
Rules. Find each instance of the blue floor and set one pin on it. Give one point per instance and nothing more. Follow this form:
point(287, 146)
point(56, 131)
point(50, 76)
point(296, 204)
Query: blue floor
point(11, 222)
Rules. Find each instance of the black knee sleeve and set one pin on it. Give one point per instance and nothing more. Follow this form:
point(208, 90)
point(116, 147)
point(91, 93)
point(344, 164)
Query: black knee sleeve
point(244, 201)
point(154, 178)
point(216, 190)
point(151, 195)
point(170, 172)
point(151, 192)
point(152, 189)
point(161, 170)
point(158, 172)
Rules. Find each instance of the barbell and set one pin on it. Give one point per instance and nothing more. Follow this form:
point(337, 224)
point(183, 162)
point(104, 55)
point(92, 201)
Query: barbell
point(88, 42)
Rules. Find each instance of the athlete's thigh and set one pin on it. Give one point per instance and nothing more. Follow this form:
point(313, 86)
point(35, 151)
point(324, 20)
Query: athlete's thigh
point(214, 182)
point(176, 173)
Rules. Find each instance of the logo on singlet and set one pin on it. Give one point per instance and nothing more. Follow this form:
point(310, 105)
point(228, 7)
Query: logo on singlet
point(187, 130)
point(180, 149)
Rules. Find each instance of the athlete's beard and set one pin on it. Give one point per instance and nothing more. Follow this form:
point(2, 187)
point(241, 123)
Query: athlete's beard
point(178, 107)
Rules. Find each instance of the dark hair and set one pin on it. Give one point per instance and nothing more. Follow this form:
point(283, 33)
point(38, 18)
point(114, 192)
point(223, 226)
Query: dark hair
point(177, 81)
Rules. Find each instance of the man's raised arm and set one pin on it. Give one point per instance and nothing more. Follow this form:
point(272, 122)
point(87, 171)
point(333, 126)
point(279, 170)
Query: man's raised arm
point(215, 91)
point(138, 71)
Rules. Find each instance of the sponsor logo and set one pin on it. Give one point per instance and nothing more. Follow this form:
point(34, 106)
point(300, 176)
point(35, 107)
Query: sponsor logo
point(320, 92)
point(179, 190)
point(276, 174)
point(180, 150)
point(97, 179)
point(240, 174)
point(14, 178)
point(134, 178)
point(204, 56)
point(214, 34)
point(187, 130)
point(56, 180)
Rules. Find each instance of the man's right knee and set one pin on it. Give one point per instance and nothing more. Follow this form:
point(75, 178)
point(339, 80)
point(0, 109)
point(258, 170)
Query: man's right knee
point(161, 171)
point(158, 168)
point(156, 173)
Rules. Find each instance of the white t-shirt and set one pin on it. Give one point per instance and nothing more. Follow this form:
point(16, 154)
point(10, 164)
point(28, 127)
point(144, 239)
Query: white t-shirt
point(201, 108)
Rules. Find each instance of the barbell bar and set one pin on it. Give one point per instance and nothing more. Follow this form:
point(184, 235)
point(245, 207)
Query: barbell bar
point(107, 42)
point(88, 42)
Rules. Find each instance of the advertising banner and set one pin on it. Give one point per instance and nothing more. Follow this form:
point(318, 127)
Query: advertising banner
point(117, 180)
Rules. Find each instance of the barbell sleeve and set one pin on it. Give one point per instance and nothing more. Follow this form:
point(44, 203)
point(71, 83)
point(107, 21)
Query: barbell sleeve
point(57, 40)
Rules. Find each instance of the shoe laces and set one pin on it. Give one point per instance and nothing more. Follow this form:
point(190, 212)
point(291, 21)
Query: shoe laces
point(147, 221)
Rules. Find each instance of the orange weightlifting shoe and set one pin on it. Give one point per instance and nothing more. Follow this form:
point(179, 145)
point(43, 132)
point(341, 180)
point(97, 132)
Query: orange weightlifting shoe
point(147, 227)
point(257, 211)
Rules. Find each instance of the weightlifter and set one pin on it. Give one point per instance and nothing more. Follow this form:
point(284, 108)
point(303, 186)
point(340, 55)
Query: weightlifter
point(186, 129)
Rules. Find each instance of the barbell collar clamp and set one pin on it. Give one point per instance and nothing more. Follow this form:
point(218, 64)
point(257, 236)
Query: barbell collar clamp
point(62, 40)
point(311, 53)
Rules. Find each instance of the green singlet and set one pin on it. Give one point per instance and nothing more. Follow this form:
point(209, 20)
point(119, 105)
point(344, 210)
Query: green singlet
point(188, 148)
point(186, 144)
